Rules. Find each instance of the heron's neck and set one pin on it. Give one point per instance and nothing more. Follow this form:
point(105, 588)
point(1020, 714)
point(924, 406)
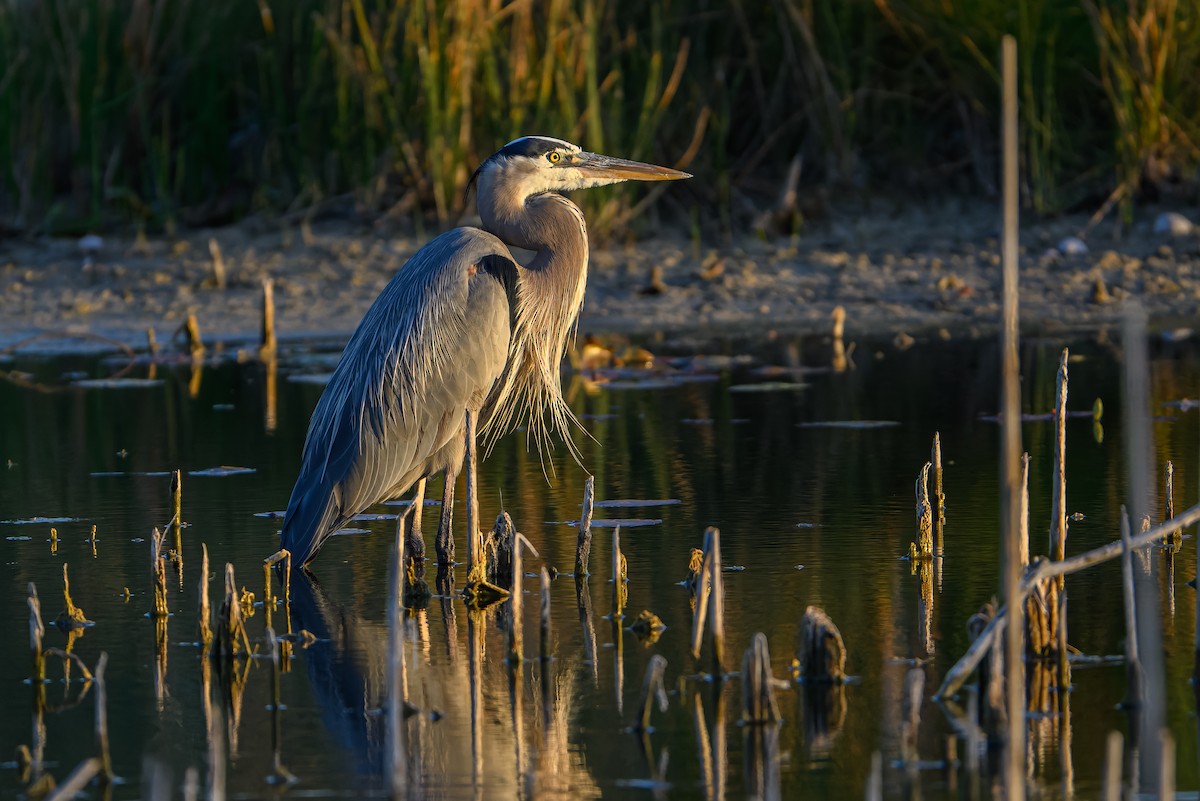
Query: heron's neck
point(553, 227)
point(549, 296)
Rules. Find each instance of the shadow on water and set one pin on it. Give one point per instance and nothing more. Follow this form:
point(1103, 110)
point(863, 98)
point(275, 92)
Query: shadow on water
point(811, 512)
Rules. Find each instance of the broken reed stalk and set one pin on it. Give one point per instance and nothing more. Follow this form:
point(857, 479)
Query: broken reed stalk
point(939, 493)
point(158, 575)
point(194, 342)
point(583, 542)
point(36, 631)
point(716, 599)
point(652, 687)
point(1166, 765)
point(205, 624)
point(703, 588)
point(75, 615)
point(545, 617)
point(267, 344)
point(758, 690)
point(924, 544)
point(1058, 502)
point(1132, 661)
point(397, 761)
point(1043, 569)
point(53, 540)
point(76, 781)
point(1175, 538)
point(1023, 514)
point(821, 650)
point(618, 574)
point(177, 519)
point(102, 719)
point(1113, 764)
point(516, 629)
point(218, 263)
point(231, 640)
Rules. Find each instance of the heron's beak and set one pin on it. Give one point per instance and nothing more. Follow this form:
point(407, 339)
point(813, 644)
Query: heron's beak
point(595, 165)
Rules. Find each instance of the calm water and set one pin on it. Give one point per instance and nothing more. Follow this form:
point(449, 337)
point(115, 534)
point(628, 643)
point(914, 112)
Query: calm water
point(837, 501)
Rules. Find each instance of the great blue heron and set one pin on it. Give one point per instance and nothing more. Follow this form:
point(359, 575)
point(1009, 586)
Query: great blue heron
point(462, 329)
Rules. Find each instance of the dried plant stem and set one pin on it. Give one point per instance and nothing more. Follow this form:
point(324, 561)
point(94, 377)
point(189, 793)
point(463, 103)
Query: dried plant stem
point(36, 631)
point(1058, 504)
point(231, 640)
point(939, 494)
point(583, 542)
point(101, 698)
point(619, 576)
point(177, 518)
point(1014, 768)
point(158, 575)
point(267, 340)
point(716, 599)
point(1113, 763)
point(205, 622)
point(1132, 660)
point(924, 547)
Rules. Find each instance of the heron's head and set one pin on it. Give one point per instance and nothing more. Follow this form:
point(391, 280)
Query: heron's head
point(533, 165)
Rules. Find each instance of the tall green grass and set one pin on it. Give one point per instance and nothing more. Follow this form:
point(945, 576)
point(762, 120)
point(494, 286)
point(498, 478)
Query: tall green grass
point(159, 112)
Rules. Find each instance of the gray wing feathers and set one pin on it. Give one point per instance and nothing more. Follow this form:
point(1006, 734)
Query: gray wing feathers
point(431, 344)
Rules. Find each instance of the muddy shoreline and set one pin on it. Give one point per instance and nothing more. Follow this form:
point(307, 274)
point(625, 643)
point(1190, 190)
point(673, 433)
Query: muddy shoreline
point(932, 271)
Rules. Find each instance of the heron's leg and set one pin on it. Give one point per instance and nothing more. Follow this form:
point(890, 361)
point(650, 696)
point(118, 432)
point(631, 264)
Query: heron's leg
point(444, 544)
point(474, 536)
point(416, 543)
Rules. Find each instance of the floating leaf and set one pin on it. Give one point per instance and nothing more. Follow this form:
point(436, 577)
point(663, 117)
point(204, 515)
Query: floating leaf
point(118, 383)
point(649, 384)
point(851, 424)
point(320, 379)
point(349, 532)
point(769, 386)
point(627, 522)
point(623, 504)
point(222, 471)
point(365, 517)
point(40, 520)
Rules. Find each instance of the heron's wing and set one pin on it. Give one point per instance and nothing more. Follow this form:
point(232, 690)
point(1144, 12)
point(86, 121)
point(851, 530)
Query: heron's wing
point(432, 344)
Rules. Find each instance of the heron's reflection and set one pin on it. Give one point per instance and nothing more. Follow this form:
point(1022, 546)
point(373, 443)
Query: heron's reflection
point(462, 727)
point(347, 669)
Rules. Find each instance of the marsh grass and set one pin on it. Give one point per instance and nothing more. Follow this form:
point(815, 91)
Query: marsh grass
point(149, 114)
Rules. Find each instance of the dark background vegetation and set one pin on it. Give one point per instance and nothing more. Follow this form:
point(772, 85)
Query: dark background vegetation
point(150, 114)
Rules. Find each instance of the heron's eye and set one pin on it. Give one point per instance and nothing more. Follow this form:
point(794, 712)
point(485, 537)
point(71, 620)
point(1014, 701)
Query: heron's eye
point(554, 156)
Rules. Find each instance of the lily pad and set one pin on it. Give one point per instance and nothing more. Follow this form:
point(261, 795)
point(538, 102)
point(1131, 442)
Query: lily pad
point(270, 515)
point(222, 471)
point(40, 521)
point(365, 517)
point(428, 502)
point(349, 532)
